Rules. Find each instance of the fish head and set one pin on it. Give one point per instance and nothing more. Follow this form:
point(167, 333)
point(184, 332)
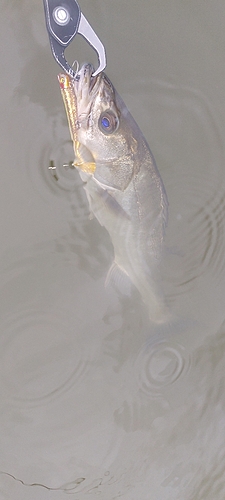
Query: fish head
point(104, 136)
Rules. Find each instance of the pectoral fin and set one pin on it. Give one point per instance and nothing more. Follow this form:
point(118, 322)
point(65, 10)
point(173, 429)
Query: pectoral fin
point(119, 279)
point(113, 205)
point(103, 200)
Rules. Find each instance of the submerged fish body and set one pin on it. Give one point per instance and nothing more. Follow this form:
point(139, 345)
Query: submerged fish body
point(124, 188)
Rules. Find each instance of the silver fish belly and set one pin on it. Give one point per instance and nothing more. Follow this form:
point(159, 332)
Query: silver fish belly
point(124, 189)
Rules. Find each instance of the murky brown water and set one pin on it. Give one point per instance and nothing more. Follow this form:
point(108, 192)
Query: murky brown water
point(94, 402)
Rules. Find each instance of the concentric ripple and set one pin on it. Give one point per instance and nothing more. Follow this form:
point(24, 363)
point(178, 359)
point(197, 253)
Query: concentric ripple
point(59, 171)
point(160, 365)
point(184, 132)
point(41, 356)
point(55, 167)
point(49, 160)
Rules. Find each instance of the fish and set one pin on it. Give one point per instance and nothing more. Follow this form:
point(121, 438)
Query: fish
point(123, 186)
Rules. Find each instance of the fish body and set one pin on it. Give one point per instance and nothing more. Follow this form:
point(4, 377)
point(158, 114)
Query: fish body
point(124, 188)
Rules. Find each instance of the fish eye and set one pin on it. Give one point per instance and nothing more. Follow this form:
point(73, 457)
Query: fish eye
point(108, 122)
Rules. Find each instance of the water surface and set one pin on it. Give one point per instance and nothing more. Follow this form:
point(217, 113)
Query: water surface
point(94, 400)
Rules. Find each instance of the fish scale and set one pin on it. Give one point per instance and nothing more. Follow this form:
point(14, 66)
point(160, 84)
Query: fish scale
point(124, 188)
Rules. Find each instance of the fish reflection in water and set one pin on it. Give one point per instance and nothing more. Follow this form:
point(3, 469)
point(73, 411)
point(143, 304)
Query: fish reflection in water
point(121, 180)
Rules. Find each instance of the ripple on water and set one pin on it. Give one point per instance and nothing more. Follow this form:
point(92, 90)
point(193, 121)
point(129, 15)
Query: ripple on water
point(160, 365)
point(183, 129)
point(58, 169)
point(49, 161)
point(184, 132)
point(45, 341)
point(155, 382)
point(41, 356)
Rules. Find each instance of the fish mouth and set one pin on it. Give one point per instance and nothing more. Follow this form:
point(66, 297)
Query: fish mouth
point(85, 83)
point(86, 87)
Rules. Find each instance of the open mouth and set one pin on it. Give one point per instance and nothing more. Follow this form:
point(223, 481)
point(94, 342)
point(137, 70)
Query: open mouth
point(93, 82)
point(84, 77)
